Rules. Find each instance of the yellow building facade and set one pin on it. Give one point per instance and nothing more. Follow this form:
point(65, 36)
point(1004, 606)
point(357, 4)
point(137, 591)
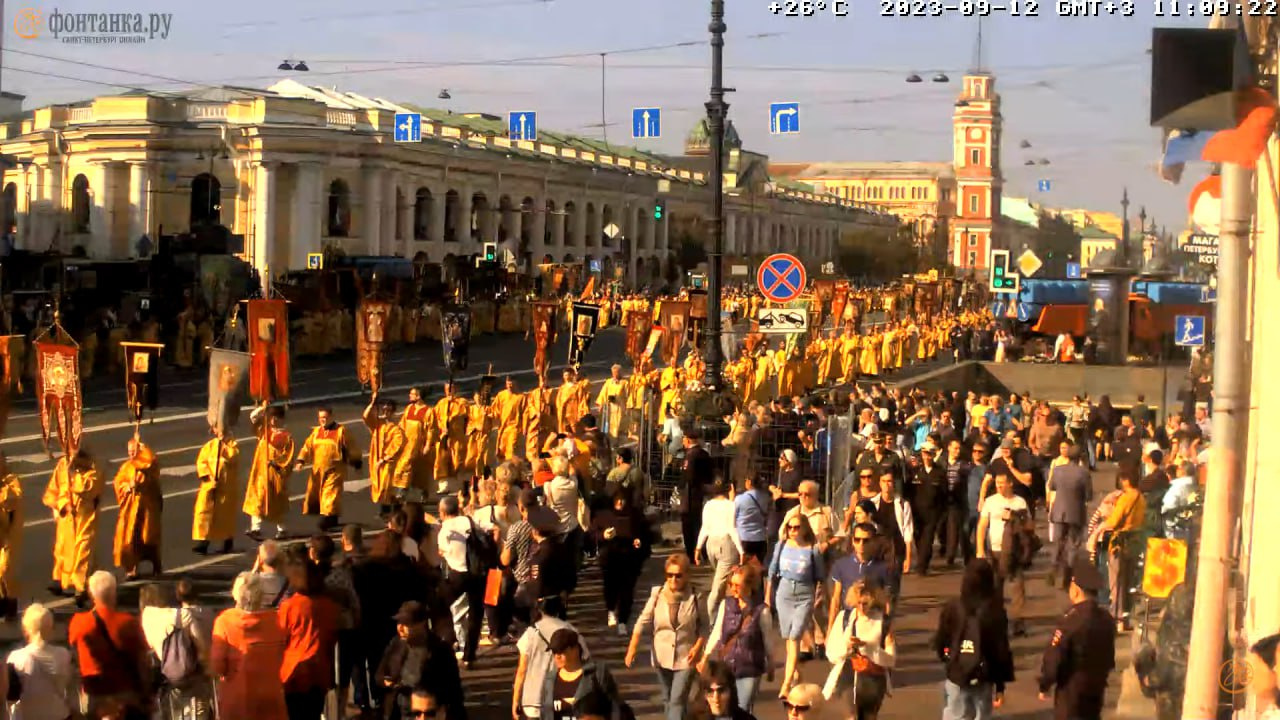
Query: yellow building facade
point(295, 169)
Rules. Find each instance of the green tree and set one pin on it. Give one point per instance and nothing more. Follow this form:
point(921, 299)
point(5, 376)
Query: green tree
point(879, 254)
point(691, 252)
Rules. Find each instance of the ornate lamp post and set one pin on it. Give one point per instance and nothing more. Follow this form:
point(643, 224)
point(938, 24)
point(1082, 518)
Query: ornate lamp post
point(717, 112)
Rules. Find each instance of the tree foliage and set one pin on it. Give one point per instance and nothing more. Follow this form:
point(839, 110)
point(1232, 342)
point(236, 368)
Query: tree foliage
point(879, 255)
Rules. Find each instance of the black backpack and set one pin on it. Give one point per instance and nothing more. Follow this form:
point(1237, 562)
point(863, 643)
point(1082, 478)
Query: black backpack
point(966, 664)
point(482, 551)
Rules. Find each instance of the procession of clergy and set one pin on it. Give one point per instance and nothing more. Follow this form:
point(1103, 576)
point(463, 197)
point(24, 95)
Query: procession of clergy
point(439, 447)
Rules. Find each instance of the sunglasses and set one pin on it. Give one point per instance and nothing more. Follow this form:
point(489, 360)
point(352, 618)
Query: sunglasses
point(674, 576)
point(793, 527)
point(795, 708)
point(860, 540)
point(433, 712)
point(866, 477)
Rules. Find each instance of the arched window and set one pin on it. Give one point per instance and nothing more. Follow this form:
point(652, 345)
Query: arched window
point(593, 226)
point(422, 210)
point(549, 224)
point(451, 201)
point(480, 216)
point(339, 209)
point(206, 200)
point(571, 224)
point(606, 219)
point(526, 222)
point(80, 204)
point(9, 220)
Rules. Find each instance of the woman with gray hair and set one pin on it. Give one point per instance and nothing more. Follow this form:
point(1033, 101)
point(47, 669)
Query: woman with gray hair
point(48, 685)
point(248, 650)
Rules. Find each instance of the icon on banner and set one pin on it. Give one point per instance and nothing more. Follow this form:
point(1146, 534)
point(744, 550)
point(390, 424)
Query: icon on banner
point(408, 128)
point(646, 123)
point(315, 261)
point(784, 118)
point(1189, 331)
point(522, 126)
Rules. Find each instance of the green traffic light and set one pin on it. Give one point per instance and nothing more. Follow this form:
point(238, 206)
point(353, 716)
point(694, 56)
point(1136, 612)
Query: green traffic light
point(657, 212)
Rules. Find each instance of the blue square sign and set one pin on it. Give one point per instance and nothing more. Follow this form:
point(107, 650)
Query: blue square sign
point(408, 128)
point(646, 123)
point(1073, 271)
point(522, 126)
point(1188, 330)
point(1043, 186)
point(784, 118)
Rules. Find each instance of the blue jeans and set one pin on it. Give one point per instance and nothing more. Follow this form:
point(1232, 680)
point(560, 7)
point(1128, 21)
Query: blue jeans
point(675, 690)
point(966, 703)
point(747, 690)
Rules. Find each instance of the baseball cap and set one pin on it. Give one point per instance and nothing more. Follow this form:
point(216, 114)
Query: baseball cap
point(411, 613)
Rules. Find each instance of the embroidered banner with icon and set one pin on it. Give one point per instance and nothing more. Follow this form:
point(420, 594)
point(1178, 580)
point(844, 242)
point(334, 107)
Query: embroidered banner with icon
point(141, 377)
point(372, 319)
point(13, 354)
point(58, 370)
point(455, 334)
point(656, 334)
point(638, 325)
point(674, 318)
point(228, 382)
point(586, 320)
point(839, 298)
point(269, 346)
point(823, 293)
point(544, 334)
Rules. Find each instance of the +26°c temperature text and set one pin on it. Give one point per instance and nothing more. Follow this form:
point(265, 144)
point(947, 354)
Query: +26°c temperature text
point(809, 8)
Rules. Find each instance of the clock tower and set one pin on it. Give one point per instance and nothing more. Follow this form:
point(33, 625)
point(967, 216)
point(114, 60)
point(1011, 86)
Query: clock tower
point(976, 148)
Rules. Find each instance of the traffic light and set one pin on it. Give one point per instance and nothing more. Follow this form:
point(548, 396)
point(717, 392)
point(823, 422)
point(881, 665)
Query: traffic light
point(1002, 281)
point(659, 208)
point(490, 252)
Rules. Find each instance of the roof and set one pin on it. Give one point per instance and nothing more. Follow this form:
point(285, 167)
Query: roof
point(1093, 232)
point(847, 170)
point(1021, 210)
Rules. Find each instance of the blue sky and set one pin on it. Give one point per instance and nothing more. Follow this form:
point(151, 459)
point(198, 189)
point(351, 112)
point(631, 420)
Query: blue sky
point(1077, 89)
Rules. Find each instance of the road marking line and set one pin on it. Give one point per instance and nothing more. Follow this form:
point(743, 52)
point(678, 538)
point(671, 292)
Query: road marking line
point(297, 401)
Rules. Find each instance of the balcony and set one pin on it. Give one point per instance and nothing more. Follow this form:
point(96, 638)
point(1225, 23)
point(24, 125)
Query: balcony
point(206, 111)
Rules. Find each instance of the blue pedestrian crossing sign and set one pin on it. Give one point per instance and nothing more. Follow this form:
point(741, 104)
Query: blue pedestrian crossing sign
point(1188, 331)
point(522, 126)
point(646, 123)
point(408, 128)
point(315, 261)
point(784, 118)
point(1043, 186)
point(1073, 271)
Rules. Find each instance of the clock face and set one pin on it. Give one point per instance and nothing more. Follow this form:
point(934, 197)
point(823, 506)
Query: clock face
point(975, 134)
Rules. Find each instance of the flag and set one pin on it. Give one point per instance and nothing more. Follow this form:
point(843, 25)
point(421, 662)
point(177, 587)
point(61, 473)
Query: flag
point(544, 334)
point(839, 298)
point(1180, 148)
point(638, 325)
point(58, 369)
point(586, 320)
point(13, 349)
point(673, 315)
point(655, 340)
point(455, 333)
point(371, 337)
point(1244, 144)
point(228, 383)
point(590, 289)
point(269, 346)
point(823, 292)
point(141, 377)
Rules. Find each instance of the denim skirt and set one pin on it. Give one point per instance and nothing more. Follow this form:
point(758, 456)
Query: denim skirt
point(794, 601)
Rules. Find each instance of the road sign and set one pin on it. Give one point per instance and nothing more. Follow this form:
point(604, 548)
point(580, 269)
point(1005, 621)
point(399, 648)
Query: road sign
point(782, 320)
point(522, 126)
point(784, 118)
point(1073, 271)
point(1043, 186)
point(1188, 331)
point(1208, 294)
point(646, 123)
point(315, 261)
point(1001, 280)
point(594, 265)
point(740, 270)
point(1029, 263)
point(781, 278)
point(408, 128)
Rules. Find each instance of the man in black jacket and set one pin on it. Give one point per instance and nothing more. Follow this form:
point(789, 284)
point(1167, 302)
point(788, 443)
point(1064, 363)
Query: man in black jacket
point(927, 494)
point(698, 472)
point(1082, 651)
point(416, 659)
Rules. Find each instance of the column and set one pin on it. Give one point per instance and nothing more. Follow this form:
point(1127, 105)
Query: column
point(140, 201)
point(390, 213)
point(21, 209)
point(557, 227)
point(579, 239)
point(538, 234)
point(664, 241)
point(462, 230)
point(650, 233)
point(516, 228)
point(439, 206)
point(265, 180)
point(404, 217)
point(306, 218)
point(371, 210)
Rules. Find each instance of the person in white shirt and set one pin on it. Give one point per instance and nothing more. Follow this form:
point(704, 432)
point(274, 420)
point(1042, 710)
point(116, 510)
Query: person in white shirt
point(47, 683)
point(996, 512)
point(463, 585)
point(718, 541)
point(561, 493)
point(536, 659)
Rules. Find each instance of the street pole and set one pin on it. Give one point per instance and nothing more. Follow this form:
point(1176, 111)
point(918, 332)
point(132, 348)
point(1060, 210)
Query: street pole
point(1230, 428)
point(717, 110)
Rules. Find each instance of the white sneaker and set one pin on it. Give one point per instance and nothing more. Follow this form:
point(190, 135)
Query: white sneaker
point(613, 619)
point(622, 629)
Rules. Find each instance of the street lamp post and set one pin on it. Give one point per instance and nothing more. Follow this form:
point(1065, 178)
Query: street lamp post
point(717, 111)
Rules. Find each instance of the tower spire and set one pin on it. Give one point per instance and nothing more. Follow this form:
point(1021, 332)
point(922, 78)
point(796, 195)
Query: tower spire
point(977, 51)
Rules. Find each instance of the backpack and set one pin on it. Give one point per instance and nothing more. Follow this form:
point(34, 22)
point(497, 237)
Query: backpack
point(482, 551)
point(179, 660)
point(966, 664)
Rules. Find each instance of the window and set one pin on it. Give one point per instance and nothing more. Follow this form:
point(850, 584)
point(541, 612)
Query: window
point(422, 214)
point(975, 157)
point(973, 240)
point(973, 204)
point(973, 259)
point(338, 221)
point(80, 204)
point(946, 196)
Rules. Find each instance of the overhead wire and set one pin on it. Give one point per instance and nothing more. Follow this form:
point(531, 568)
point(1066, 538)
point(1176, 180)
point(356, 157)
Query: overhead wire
point(442, 7)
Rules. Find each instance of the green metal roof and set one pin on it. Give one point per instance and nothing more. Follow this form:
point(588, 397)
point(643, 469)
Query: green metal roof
point(1093, 232)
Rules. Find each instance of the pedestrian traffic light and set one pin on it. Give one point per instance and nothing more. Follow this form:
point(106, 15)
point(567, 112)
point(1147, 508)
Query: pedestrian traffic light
point(490, 252)
point(659, 209)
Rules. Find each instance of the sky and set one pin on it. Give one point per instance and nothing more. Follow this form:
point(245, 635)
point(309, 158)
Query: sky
point(1077, 89)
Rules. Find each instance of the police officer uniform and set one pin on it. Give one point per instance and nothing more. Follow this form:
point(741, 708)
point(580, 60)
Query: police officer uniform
point(1082, 653)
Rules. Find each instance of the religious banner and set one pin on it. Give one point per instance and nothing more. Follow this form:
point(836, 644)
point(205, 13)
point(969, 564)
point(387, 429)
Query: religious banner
point(12, 354)
point(656, 333)
point(1165, 567)
point(674, 318)
point(228, 383)
point(698, 304)
point(544, 334)
point(638, 325)
point(58, 370)
point(371, 341)
point(732, 334)
point(455, 336)
point(269, 346)
point(823, 293)
point(141, 377)
point(586, 320)
point(839, 298)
